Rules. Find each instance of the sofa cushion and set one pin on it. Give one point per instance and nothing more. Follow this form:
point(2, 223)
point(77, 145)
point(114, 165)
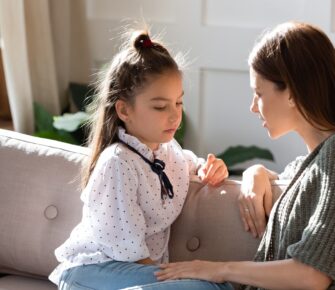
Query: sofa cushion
point(13, 282)
point(39, 200)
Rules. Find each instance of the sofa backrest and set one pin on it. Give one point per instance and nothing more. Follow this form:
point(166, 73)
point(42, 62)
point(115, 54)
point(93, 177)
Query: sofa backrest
point(39, 200)
point(40, 205)
point(210, 227)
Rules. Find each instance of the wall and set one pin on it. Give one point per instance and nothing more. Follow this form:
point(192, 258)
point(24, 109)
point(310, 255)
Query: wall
point(217, 36)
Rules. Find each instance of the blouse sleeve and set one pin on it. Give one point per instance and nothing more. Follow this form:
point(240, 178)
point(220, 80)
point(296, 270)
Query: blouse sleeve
point(115, 218)
point(317, 246)
point(194, 162)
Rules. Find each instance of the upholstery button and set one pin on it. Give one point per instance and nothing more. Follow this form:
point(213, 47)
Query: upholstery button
point(51, 212)
point(193, 244)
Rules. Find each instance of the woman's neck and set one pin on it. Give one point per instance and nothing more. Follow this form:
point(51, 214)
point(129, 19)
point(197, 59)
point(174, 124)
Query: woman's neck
point(314, 137)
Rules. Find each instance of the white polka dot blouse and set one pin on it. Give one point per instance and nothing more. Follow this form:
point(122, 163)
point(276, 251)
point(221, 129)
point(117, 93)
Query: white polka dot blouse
point(124, 217)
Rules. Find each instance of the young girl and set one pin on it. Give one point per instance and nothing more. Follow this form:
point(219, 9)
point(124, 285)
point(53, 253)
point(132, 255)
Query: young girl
point(137, 177)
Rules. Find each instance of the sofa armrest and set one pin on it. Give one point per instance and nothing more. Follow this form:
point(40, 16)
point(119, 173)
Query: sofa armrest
point(210, 228)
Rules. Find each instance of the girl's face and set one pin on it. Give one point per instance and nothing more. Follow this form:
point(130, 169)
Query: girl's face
point(275, 107)
point(157, 110)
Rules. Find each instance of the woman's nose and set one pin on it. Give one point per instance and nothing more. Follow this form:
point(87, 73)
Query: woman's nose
point(253, 106)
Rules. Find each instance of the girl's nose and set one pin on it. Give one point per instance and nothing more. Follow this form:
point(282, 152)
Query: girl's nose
point(175, 114)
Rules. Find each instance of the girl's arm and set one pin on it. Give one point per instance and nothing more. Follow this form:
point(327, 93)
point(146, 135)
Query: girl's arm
point(255, 200)
point(276, 275)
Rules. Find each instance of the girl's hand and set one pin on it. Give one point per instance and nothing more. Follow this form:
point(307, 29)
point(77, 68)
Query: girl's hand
point(196, 269)
point(213, 171)
point(255, 200)
point(146, 261)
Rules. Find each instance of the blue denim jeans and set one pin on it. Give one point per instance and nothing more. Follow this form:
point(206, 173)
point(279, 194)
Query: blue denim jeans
point(122, 275)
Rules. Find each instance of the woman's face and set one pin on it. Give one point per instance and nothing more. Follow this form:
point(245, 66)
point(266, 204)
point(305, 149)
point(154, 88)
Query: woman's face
point(275, 107)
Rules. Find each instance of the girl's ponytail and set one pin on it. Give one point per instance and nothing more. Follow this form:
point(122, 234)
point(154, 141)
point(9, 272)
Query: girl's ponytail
point(126, 76)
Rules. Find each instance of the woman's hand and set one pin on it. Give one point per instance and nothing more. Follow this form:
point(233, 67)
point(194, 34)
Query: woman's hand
point(255, 200)
point(203, 270)
point(213, 171)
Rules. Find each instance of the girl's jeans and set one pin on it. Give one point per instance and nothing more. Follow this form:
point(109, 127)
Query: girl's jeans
point(123, 275)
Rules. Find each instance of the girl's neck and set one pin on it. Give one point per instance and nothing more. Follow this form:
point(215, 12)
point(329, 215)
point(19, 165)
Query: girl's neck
point(152, 146)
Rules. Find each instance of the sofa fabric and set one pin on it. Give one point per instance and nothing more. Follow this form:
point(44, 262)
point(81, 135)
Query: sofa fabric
point(40, 205)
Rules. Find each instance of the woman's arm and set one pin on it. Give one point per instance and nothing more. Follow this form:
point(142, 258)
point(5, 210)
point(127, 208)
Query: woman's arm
point(276, 275)
point(255, 200)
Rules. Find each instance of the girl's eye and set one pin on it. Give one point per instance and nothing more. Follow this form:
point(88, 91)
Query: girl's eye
point(160, 108)
point(179, 103)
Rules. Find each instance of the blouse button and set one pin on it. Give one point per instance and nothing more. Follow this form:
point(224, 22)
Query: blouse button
point(193, 244)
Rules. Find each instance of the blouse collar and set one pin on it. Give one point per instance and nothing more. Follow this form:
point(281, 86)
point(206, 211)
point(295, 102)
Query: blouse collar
point(141, 147)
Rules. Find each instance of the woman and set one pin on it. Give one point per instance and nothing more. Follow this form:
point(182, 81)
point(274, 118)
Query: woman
point(292, 73)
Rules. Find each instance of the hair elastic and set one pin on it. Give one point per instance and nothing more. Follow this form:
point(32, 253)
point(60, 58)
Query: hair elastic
point(146, 43)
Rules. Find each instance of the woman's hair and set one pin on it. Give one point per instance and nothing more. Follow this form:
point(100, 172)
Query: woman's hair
point(140, 59)
point(300, 57)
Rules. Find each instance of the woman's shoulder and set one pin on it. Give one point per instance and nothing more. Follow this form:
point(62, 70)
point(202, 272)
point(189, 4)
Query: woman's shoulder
point(291, 169)
point(329, 144)
point(326, 156)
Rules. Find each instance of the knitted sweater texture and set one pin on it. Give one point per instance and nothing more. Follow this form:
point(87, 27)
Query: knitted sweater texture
point(302, 222)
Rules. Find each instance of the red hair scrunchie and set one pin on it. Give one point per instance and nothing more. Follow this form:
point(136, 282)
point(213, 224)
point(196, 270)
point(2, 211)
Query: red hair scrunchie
point(147, 43)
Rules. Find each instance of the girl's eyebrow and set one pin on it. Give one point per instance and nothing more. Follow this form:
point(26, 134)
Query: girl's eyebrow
point(158, 98)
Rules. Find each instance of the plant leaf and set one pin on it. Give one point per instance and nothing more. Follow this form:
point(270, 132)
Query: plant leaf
point(57, 135)
point(237, 154)
point(43, 120)
point(81, 94)
point(70, 122)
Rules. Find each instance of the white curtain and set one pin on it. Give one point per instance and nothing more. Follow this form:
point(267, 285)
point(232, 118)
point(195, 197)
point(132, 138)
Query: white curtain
point(38, 54)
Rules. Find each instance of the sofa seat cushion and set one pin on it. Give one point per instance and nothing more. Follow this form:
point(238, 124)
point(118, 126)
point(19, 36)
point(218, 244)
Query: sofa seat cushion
point(13, 282)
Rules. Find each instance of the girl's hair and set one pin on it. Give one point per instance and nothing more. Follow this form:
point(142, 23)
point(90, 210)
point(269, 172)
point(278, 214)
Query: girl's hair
point(139, 60)
point(300, 57)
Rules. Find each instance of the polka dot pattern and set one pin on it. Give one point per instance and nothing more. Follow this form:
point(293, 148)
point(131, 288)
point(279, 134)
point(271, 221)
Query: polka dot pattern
point(124, 217)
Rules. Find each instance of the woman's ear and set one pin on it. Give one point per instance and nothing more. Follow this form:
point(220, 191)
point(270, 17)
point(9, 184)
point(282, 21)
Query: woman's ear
point(122, 110)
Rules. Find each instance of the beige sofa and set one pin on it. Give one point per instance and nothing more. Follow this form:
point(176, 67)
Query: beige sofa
point(39, 205)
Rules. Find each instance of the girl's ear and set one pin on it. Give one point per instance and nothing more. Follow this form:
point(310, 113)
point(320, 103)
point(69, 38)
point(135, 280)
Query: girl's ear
point(122, 110)
point(291, 102)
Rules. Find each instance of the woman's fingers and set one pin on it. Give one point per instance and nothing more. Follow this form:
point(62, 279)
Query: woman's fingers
point(255, 200)
point(249, 215)
point(173, 271)
point(257, 214)
point(243, 216)
point(196, 269)
point(252, 214)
